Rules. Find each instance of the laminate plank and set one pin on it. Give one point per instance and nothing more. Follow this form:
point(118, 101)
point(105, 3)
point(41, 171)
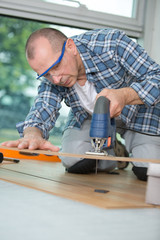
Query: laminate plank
point(125, 191)
point(86, 156)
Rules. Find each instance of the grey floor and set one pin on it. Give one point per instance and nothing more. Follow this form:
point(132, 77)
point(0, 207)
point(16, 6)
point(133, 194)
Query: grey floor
point(29, 214)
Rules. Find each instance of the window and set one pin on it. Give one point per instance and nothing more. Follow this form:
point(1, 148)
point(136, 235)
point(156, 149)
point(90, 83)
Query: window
point(81, 16)
point(122, 8)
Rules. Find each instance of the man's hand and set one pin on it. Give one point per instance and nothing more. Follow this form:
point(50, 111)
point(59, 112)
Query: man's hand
point(119, 98)
point(32, 140)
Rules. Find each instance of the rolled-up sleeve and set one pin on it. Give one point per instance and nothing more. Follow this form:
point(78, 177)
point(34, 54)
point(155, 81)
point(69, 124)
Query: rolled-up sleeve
point(136, 61)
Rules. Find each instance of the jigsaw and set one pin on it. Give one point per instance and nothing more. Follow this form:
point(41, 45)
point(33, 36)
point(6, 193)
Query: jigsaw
point(103, 128)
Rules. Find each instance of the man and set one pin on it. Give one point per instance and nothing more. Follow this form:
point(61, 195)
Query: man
point(102, 62)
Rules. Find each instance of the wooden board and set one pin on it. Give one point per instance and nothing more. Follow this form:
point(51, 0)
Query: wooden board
point(48, 154)
point(124, 190)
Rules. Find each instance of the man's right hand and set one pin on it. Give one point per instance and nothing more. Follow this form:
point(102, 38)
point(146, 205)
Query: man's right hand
point(32, 140)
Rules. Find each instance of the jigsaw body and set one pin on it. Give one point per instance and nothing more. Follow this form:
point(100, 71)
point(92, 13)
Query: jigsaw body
point(103, 128)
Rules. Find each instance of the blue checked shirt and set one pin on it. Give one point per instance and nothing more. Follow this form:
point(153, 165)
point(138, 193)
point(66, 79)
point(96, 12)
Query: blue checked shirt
point(111, 60)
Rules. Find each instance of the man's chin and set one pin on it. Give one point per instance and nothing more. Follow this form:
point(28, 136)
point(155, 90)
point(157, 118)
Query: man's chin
point(69, 83)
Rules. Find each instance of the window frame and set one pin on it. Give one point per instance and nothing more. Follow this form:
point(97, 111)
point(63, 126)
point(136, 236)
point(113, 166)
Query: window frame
point(79, 17)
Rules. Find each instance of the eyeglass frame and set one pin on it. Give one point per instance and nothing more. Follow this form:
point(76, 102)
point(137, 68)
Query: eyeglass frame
point(55, 63)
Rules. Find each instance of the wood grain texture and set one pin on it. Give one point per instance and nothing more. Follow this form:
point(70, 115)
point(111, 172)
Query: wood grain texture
point(125, 191)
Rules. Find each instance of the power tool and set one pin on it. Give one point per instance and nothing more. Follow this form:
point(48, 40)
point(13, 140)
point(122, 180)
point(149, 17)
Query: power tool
point(103, 128)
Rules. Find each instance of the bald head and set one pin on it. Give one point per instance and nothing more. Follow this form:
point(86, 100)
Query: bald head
point(54, 36)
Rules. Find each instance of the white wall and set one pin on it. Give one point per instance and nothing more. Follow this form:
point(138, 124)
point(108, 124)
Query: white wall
point(151, 39)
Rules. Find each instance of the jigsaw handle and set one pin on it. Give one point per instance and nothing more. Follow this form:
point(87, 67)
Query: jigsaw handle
point(102, 126)
point(102, 106)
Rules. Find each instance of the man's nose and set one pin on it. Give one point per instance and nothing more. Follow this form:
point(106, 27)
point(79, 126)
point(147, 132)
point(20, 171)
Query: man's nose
point(56, 79)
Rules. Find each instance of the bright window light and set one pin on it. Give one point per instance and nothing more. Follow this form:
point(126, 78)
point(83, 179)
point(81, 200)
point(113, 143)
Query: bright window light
point(116, 7)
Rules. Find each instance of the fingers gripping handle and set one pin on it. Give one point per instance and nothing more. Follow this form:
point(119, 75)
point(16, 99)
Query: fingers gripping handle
point(102, 126)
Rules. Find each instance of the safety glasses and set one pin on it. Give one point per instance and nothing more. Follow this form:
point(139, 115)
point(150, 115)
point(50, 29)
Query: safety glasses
point(58, 61)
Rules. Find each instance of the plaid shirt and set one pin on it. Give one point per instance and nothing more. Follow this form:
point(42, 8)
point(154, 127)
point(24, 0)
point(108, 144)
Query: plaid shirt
point(111, 60)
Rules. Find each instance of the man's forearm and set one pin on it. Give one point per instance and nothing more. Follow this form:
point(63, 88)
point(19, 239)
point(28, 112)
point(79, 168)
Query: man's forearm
point(131, 96)
point(119, 98)
point(32, 131)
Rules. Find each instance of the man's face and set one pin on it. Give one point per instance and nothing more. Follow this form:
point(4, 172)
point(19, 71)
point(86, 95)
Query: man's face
point(64, 73)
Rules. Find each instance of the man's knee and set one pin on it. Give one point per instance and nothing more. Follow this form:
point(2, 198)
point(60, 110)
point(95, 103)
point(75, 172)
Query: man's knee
point(142, 146)
point(140, 172)
point(75, 141)
point(69, 161)
point(84, 166)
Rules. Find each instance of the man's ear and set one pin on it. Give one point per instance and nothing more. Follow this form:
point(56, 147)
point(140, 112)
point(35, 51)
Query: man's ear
point(70, 46)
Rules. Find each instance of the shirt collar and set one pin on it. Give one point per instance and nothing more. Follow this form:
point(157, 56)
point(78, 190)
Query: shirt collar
point(87, 57)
